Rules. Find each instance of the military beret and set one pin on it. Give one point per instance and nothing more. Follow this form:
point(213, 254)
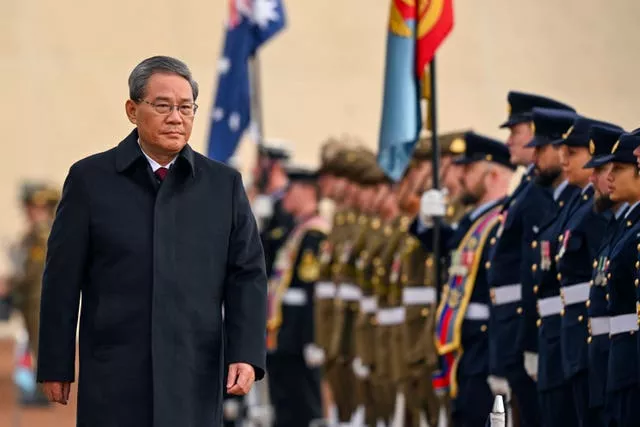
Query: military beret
point(275, 150)
point(39, 194)
point(578, 134)
point(622, 150)
point(331, 149)
point(521, 107)
point(601, 142)
point(482, 148)
point(550, 125)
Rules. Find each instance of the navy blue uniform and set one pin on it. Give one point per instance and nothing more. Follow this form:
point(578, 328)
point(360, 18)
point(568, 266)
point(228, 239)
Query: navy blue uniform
point(294, 387)
point(474, 399)
point(598, 325)
point(513, 311)
point(579, 241)
point(556, 403)
point(620, 274)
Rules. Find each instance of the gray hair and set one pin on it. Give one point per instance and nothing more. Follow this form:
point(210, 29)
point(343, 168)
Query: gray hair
point(158, 64)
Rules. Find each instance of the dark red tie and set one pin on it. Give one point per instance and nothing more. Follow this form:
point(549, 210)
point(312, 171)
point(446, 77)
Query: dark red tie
point(161, 173)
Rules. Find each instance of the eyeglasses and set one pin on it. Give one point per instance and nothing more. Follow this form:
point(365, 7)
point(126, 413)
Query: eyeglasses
point(188, 109)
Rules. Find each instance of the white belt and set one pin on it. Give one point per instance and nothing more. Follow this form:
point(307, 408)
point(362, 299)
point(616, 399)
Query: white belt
point(575, 294)
point(390, 316)
point(549, 306)
point(349, 292)
point(598, 326)
point(295, 297)
point(418, 295)
point(506, 294)
point(623, 323)
point(368, 304)
point(477, 311)
point(325, 290)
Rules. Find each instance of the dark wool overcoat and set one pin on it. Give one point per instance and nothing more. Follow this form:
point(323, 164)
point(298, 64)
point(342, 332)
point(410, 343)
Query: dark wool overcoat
point(154, 264)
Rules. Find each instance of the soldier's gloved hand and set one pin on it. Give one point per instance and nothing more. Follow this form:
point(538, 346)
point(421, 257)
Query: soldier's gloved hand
point(231, 409)
point(531, 364)
point(263, 206)
point(432, 204)
point(499, 385)
point(314, 356)
point(359, 369)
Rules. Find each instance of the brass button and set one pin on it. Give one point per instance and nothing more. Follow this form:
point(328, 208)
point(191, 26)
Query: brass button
point(638, 247)
point(538, 322)
point(580, 318)
point(595, 263)
point(487, 265)
point(557, 258)
point(561, 203)
point(585, 197)
point(607, 297)
point(637, 264)
point(534, 267)
point(562, 312)
point(519, 310)
point(534, 244)
point(560, 238)
point(559, 276)
point(493, 240)
point(483, 328)
point(590, 282)
point(629, 223)
point(608, 275)
point(588, 303)
point(589, 340)
point(607, 263)
point(535, 289)
point(424, 312)
point(637, 282)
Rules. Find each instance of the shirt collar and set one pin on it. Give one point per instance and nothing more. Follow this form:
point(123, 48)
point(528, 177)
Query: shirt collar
point(631, 208)
point(559, 189)
point(155, 165)
point(586, 188)
point(621, 209)
point(482, 209)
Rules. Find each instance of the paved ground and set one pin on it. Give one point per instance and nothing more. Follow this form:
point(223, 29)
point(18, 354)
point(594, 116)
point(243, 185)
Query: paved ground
point(11, 415)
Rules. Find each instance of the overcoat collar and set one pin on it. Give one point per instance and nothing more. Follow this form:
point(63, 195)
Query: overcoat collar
point(128, 152)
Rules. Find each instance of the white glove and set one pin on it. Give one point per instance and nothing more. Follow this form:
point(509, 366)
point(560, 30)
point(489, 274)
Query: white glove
point(531, 364)
point(360, 369)
point(263, 206)
point(313, 355)
point(432, 204)
point(231, 409)
point(499, 385)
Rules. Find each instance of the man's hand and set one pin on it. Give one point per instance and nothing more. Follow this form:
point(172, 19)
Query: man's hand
point(57, 392)
point(240, 379)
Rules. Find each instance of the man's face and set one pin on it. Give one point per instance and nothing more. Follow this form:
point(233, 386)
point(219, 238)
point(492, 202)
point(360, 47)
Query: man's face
point(624, 183)
point(365, 198)
point(572, 160)
point(547, 161)
point(473, 182)
point(452, 179)
point(326, 182)
point(37, 214)
point(167, 133)
point(521, 134)
point(297, 196)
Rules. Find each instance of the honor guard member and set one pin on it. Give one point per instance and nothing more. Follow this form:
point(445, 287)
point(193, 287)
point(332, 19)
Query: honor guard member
point(513, 313)
point(603, 139)
point(39, 203)
point(272, 184)
point(341, 349)
point(578, 242)
point(294, 359)
point(556, 401)
point(621, 274)
point(376, 391)
point(413, 271)
point(463, 313)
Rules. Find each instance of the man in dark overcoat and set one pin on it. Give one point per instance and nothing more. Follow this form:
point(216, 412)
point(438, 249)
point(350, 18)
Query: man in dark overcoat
point(156, 238)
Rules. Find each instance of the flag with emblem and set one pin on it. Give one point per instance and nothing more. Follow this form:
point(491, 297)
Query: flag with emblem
point(416, 30)
point(250, 24)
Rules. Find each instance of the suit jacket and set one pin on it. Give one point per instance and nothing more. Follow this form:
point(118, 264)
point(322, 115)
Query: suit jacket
point(154, 264)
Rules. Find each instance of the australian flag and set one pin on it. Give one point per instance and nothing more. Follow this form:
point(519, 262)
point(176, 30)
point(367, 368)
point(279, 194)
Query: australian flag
point(251, 23)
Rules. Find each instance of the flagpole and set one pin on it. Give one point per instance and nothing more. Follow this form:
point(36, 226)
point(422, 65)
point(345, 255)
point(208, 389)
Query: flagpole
point(435, 159)
point(256, 100)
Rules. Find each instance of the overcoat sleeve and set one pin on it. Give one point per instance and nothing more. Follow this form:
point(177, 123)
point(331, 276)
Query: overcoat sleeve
point(245, 291)
point(64, 273)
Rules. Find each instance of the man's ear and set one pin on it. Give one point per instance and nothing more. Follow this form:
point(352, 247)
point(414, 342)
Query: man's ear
point(131, 109)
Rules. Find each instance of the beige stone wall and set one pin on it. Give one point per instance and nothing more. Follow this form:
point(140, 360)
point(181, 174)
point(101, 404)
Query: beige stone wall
point(64, 66)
